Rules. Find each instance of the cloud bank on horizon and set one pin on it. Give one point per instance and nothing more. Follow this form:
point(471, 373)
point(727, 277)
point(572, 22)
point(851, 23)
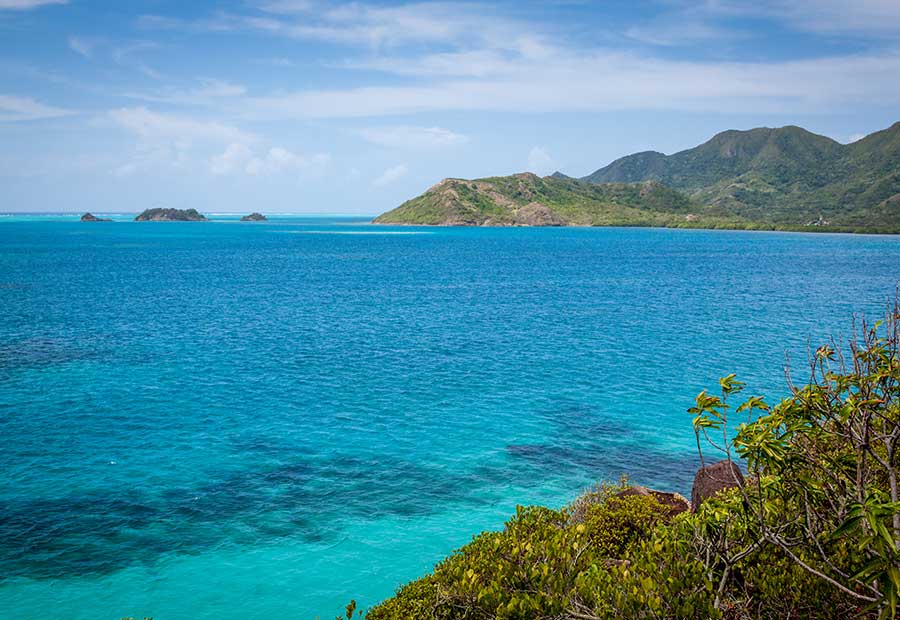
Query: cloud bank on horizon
point(327, 106)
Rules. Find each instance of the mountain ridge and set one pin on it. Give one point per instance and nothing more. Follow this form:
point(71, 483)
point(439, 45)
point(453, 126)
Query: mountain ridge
point(777, 178)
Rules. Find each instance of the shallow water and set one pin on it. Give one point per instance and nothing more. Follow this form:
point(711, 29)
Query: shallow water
point(223, 421)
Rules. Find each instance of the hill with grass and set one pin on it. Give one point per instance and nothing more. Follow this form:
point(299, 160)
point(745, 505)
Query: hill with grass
point(528, 200)
point(786, 176)
point(784, 179)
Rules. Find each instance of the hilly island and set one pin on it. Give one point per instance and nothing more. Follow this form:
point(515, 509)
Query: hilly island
point(770, 179)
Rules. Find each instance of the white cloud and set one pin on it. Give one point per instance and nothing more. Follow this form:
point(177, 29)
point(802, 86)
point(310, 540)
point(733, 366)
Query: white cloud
point(470, 63)
point(540, 162)
point(24, 5)
point(707, 20)
point(174, 141)
point(213, 88)
point(26, 109)
point(606, 81)
point(867, 17)
point(125, 56)
point(278, 61)
point(855, 137)
point(235, 157)
point(279, 160)
point(365, 24)
point(680, 30)
point(406, 137)
point(154, 126)
point(286, 6)
point(238, 158)
point(184, 142)
point(488, 61)
point(209, 91)
point(391, 175)
point(156, 156)
point(81, 46)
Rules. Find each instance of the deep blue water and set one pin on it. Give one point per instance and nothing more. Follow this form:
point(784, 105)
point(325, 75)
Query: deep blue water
point(238, 421)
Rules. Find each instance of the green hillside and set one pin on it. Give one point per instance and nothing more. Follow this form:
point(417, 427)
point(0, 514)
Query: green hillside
point(528, 200)
point(785, 178)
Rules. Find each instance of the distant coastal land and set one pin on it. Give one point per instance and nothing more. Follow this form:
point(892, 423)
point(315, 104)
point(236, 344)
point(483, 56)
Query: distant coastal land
point(769, 179)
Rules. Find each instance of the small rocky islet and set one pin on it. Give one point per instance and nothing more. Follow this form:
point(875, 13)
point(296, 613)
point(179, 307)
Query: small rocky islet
point(170, 215)
point(255, 217)
point(90, 217)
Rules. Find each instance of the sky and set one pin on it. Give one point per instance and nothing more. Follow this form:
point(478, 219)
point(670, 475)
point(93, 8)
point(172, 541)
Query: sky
point(321, 106)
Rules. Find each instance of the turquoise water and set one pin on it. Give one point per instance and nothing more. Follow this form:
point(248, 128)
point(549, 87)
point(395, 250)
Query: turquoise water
point(253, 421)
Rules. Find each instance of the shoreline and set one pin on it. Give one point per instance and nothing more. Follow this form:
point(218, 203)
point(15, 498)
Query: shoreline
point(804, 230)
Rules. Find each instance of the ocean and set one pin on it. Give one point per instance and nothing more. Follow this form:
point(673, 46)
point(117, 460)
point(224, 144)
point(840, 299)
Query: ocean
point(223, 421)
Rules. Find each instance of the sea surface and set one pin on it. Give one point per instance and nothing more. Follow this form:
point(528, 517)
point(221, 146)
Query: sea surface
point(223, 421)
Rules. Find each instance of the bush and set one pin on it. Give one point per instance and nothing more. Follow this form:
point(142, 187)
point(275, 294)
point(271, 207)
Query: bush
point(814, 532)
point(530, 569)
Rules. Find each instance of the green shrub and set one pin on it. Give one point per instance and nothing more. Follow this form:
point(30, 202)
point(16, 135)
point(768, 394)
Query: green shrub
point(814, 532)
point(530, 569)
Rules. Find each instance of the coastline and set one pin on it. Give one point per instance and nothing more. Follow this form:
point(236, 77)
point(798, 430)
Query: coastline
point(782, 229)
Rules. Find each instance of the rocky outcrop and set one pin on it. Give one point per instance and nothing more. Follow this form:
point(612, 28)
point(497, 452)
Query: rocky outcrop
point(255, 217)
point(713, 479)
point(537, 214)
point(170, 215)
point(90, 217)
point(674, 502)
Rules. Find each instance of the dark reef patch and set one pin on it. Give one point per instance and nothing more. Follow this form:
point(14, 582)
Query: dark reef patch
point(597, 461)
point(40, 352)
point(290, 493)
point(310, 499)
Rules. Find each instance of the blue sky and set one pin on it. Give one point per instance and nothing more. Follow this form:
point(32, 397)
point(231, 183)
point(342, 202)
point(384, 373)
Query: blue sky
point(335, 107)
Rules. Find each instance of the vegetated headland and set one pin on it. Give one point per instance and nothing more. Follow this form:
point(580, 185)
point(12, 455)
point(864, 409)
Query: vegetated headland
point(762, 179)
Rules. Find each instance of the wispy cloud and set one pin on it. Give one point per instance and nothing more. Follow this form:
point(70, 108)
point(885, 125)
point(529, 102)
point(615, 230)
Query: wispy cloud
point(392, 174)
point(239, 159)
point(688, 21)
point(364, 24)
point(406, 137)
point(180, 131)
point(81, 46)
point(208, 91)
point(184, 142)
point(127, 56)
point(459, 56)
point(866, 17)
point(13, 108)
point(680, 29)
point(287, 6)
point(471, 63)
point(25, 5)
point(234, 158)
point(603, 81)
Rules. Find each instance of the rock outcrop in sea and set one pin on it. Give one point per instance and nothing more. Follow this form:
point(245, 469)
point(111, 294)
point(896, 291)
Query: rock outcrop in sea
point(90, 217)
point(255, 217)
point(170, 215)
